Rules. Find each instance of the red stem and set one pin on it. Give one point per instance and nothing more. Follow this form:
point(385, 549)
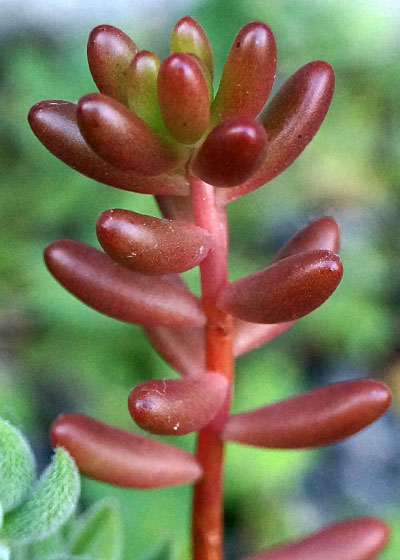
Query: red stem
point(207, 521)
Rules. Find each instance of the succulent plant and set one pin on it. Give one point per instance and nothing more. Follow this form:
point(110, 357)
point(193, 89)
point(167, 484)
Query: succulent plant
point(155, 127)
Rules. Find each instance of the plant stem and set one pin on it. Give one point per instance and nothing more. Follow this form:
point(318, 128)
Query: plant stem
point(207, 520)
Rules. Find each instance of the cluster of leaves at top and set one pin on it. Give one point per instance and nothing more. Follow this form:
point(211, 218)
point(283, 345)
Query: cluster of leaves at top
point(156, 128)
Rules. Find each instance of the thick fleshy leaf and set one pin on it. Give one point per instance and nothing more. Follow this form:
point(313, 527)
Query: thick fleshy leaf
point(121, 138)
point(50, 504)
point(177, 406)
point(353, 539)
point(109, 53)
point(284, 291)
point(291, 120)
point(232, 152)
point(122, 458)
point(184, 97)
point(55, 125)
point(17, 467)
point(251, 335)
point(98, 533)
point(91, 276)
point(189, 37)
point(182, 349)
point(151, 245)
point(248, 74)
point(319, 234)
point(319, 417)
point(142, 89)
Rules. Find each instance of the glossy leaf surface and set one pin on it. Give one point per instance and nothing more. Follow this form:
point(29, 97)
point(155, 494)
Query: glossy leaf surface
point(109, 53)
point(184, 97)
point(248, 73)
point(319, 234)
point(91, 276)
point(251, 335)
point(284, 291)
point(353, 539)
point(182, 349)
point(142, 88)
point(232, 152)
point(151, 245)
point(189, 37)
point(55, 125)
point(177, 406)
point(121, 138)
point(122, 458)
point(319, 417)
point(291, 119)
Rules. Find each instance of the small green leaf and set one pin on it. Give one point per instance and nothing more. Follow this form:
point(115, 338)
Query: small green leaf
point(52, 501)
point(17, 467)
point(98, 535)
point(161, 552)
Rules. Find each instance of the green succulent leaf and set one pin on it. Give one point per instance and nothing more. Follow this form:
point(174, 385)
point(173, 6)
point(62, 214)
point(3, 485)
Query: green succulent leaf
point(17, 467)
point(52, 501)
point(98, 535)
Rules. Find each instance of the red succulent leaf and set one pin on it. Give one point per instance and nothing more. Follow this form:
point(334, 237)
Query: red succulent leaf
point(251, 335)
point(322, 233)
point(291, 119)
point(151, 245)
point(184, 97)
point(177, 406)
point(319, 417)
point(91, 276)
point(248, 74)
point(231, 152)
point(55, 124)
point(189, 37)
point(109, 53)
point(122, 458)
point(353, 539)
point(182, 349)
point(120, 137)
point(284, 291)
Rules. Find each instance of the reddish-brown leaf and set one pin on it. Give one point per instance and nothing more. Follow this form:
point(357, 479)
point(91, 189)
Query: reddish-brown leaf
point(177, 406)
point(182, 349)
point(284, 291)
point(231, 152)
point(91, 276)
point(248, 74)
point(319, 234)
point(353, 539)
point(122, 458)
point(55, 125)
point(109, 53)
point(251, 335)
point(291, 120)
point(184, 97)
point(151, 245)
point(121, 138)
point(189, 37)
point(319, 417)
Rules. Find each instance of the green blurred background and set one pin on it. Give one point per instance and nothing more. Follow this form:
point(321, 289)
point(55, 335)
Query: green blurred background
point(56, 355)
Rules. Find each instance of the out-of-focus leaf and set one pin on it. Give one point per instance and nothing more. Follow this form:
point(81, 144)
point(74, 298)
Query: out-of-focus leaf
point(17, 467)
point(51, 503)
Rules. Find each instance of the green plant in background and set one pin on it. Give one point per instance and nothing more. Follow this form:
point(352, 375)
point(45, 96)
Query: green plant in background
point(36, 522)
point(195, 158)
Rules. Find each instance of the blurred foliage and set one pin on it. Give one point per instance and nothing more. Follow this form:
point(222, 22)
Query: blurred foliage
point(59, 356)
